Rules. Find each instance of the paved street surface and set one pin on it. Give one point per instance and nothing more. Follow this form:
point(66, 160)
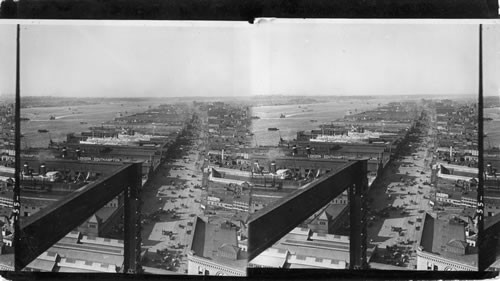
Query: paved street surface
point(175, 189)
point(400, 194)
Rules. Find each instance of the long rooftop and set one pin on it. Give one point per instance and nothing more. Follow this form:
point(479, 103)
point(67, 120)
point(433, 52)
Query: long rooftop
point(447, 239)
point(217, 243)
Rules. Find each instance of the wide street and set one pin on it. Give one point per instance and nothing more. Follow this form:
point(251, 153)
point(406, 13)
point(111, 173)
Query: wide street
point(171, 203)
point(400, 199)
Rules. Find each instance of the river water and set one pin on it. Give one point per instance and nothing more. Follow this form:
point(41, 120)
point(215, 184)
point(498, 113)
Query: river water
point(492, 128)
point(299, 118)
point(69, 119)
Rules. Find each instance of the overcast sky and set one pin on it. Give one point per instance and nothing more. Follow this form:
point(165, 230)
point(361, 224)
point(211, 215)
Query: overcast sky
point(224, 59)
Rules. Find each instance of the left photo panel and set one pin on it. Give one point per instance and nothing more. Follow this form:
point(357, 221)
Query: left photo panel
point(111, 164)
point(8, 198)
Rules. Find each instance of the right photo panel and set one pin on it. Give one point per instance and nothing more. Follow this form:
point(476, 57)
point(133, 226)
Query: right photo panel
point(490, 250)
point(380, 167)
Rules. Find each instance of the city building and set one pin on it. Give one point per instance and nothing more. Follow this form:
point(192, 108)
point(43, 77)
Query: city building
point(101, 223)
point(331, 219)
point(215, 250)
point(81, 253)
point(303, 248)
point(444, 246)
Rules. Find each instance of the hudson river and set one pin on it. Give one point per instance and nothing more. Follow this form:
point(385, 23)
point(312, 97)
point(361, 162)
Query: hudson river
point(299, 118)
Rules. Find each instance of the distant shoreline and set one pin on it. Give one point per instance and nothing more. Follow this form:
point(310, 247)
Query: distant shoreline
point(253, 100)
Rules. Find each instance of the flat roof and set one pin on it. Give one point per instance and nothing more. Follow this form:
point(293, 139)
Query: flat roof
point(301, 231)
point(300, 261)
point(105, 212)
point(438, 233)
point(334, 210)
point(209, 238)
point(320, 244)
point(84, 253)
point(271, 257)
point(73, 270)
point(42, 265)
point(298, 244)
point(103, 167)
point(302, 266)
point(91, 243)
point(330, 237)
point(78, 264)
point(305, 250)
point(107, 243)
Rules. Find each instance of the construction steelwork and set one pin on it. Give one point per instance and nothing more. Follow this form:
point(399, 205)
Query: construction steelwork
point(40, 231)
point(268, 225)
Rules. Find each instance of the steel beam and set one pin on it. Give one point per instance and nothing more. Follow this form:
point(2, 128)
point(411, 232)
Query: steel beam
point(268, 225)
point(42, 230)
point(17, 184)
point(357, 204)
point(132, 224)
point(482, 239)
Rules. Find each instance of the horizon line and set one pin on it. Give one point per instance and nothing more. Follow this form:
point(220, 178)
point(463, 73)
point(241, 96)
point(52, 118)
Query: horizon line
point(249, 95)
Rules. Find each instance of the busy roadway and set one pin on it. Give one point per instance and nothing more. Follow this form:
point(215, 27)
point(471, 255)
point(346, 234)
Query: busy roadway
point(399, 200)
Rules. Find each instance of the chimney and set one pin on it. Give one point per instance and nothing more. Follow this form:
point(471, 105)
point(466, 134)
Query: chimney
point(26, 168)
point(308, 150)
point(294, 150)
point(78, 153)
point(256, 165)
point(64, 152)
point(43, 169)
point(273, 167)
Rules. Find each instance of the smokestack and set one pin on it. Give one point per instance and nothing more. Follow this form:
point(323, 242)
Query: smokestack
point(294, 150)
point(222, 157)
point(26, 168)
point(489, 169)
point(43, 169)
point(308, 150)
point(64, 152)
point(273, 167)
point(78, 153)
point(451, 153)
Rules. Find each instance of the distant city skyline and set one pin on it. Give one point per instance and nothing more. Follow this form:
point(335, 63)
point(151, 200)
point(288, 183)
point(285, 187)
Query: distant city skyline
point(238, 59)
